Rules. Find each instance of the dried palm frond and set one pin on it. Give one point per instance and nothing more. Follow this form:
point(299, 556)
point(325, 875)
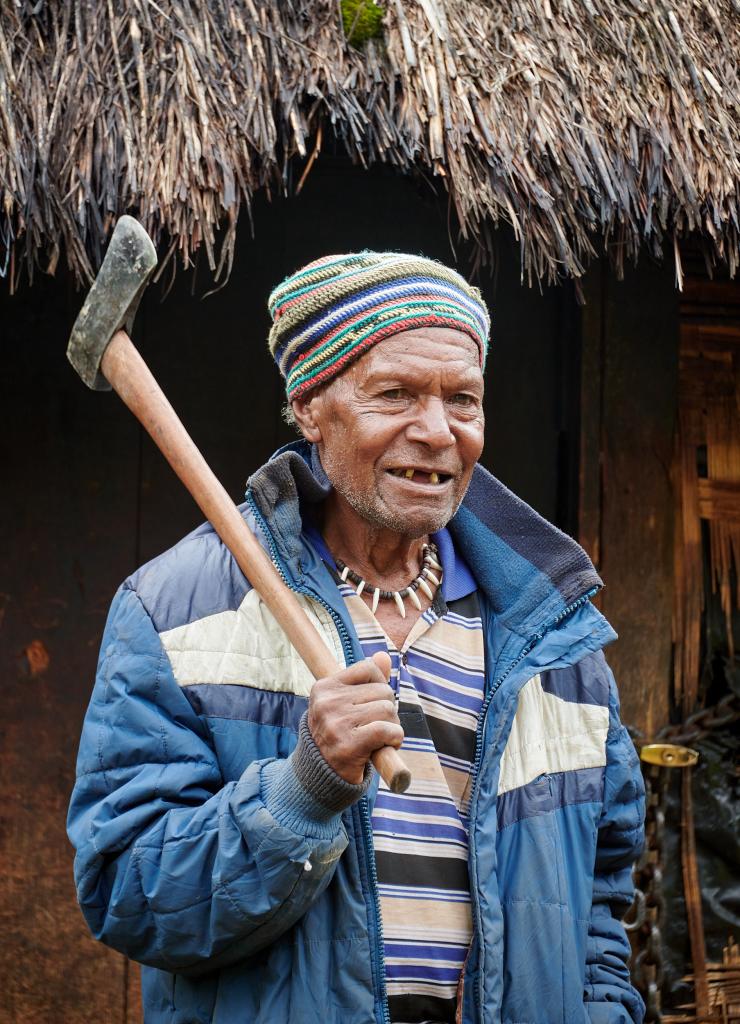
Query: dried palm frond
point(582, 123)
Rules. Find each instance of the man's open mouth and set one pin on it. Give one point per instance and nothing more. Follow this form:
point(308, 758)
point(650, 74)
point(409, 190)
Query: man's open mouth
point(420, 476)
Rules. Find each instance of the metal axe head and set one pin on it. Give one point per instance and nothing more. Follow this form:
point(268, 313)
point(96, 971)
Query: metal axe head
point(113, 299)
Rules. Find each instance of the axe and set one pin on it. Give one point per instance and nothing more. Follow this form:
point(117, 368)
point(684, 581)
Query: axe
point(104, 356)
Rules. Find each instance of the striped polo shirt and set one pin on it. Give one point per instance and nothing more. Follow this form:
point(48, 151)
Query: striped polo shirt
point(421, 836)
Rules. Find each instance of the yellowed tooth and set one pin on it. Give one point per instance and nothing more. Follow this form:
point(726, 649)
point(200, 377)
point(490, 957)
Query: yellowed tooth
point(409, 474)
point(434, 478)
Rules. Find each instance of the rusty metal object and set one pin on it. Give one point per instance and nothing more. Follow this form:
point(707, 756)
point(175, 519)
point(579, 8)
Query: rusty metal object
point(692, 893)
point(701, 723)
point(643, 923)
point(671, 755)
point(112, 301)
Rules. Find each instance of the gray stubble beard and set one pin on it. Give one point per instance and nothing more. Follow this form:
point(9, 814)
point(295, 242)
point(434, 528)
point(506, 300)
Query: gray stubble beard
point(380, 516)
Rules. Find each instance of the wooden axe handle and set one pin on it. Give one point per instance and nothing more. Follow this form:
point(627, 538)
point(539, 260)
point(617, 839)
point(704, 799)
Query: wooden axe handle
point(130, 377)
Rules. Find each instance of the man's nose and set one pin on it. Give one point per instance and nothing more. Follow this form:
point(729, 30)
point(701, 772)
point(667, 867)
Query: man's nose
point(431, 426)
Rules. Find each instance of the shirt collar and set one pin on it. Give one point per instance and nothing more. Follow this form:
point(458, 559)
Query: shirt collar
point(458, 580)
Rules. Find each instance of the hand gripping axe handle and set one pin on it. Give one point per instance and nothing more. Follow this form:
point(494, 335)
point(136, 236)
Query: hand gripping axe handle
point(105, 357)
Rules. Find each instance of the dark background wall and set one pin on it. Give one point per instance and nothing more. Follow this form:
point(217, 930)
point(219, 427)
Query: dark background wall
point(628, 408)
point(86, 498)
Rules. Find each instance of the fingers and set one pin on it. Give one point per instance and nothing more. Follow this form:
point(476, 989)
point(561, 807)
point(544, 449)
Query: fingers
point(353, 713)
point(328, 696)
point(361, 683)
point(352, 729)
point(383, 710)
point(366, 671)
point(366, 693)
point(374, 735)
point(350, 744)
point(383, 660)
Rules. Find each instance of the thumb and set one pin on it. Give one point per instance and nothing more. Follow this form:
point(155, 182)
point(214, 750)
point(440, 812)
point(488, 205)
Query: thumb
point(383, 660)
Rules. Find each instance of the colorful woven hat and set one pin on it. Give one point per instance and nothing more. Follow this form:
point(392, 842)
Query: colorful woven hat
point(330, 312)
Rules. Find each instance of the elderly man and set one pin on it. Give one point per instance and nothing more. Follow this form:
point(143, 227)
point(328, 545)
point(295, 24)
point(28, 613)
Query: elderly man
point(229, 832)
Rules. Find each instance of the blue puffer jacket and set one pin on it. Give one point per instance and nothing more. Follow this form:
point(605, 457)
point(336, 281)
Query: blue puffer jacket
point(198, 856)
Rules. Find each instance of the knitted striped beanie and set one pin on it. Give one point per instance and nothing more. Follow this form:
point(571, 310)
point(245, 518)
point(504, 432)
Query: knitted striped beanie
point(330, 312)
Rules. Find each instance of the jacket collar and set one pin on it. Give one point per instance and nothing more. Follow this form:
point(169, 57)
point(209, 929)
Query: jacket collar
point(530, 571)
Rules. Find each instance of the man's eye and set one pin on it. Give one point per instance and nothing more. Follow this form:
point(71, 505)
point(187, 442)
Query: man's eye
point(464, 399)
point(394, 393)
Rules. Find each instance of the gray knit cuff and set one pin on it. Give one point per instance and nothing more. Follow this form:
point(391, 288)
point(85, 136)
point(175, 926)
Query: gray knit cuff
point(319, 778)
point(304, 793)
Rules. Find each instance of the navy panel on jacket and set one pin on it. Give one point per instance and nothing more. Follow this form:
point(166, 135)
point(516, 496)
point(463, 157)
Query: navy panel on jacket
point(246, 703)
point(548, 793)
point(584, 683)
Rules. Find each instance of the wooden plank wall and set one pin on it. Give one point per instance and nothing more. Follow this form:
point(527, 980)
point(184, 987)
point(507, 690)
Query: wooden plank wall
point(628, 409)
point(707, 473)
point(85, 499)
point(69, 528)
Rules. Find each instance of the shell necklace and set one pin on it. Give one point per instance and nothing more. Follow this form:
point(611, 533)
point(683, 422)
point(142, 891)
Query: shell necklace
point(427, 575)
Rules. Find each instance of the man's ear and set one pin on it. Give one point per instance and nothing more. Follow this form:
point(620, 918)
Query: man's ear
point(306, 412)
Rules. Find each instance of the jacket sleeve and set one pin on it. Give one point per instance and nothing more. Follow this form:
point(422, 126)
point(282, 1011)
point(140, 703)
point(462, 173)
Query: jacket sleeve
point(173, 867)
point(609, 995)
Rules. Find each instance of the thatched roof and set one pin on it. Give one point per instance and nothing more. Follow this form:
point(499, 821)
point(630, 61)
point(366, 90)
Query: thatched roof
point(582, 123)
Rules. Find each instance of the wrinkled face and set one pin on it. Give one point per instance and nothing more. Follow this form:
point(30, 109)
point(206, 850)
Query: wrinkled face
point(400, 431)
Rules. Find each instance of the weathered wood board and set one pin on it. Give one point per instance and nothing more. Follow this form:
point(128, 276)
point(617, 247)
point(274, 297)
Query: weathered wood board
point(628, 410)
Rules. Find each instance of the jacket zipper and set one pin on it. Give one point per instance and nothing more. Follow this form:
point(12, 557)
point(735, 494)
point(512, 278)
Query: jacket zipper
point(527, 649)
point(364, 802)
point(380, 948)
